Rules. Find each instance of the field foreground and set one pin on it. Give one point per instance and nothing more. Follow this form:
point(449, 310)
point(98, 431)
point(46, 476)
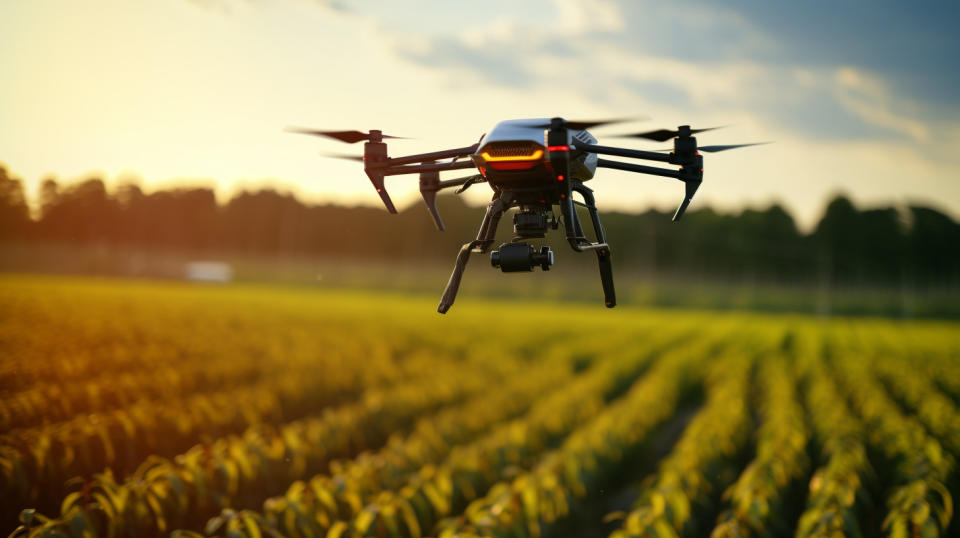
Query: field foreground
point(150, 408)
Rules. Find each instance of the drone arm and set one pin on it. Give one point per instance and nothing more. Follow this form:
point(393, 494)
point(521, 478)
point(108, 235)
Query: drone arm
point(378, 165)
point(459, 182)
point(689, 175)
point(427, 167)
point(639, 168)
point(432, 156)
point(624, 152)
point(430, 185)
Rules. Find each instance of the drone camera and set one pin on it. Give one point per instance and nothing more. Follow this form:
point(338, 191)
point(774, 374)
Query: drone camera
point(517, 257)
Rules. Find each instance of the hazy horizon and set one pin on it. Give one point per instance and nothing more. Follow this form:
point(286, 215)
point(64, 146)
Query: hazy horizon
point(224, 196)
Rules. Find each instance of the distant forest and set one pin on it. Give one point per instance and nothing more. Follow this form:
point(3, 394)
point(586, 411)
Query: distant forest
point(916, 246)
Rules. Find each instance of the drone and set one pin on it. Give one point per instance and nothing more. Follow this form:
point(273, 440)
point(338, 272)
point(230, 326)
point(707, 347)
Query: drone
point(532, 165)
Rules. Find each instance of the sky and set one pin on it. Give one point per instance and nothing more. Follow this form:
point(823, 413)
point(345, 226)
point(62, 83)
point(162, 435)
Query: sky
point(859, 97)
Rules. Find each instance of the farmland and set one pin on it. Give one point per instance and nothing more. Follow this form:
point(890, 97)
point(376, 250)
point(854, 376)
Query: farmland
point(139, 408)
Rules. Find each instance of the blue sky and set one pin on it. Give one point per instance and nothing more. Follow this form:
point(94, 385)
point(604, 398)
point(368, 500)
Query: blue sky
point(860, 97)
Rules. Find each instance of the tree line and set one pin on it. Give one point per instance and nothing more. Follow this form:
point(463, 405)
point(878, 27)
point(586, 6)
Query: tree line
point(917, 246)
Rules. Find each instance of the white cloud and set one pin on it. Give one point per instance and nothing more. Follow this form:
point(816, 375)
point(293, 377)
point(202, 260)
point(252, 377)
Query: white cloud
point(800, 170)
point(870, 99)
point(581, 17)
point(502, 30)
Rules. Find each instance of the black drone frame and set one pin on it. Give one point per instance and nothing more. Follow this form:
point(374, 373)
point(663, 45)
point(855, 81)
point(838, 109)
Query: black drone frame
point(378, 165)
point(561, 149)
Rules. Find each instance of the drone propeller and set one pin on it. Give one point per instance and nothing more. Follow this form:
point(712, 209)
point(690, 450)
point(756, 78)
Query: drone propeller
point(343, 156)
point(587, 124)
point(662, 135)
point(714, 149)
point(350, 137)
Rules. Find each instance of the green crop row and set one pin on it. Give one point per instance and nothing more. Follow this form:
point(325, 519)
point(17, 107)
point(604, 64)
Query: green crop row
point(839, 491)
point(309, 507)
point(437, 490)
point(935, 410)
point(169, 381)
point(37, 469)
point(284, 392)
point(39, 460)
point(593, 457)
point(761, 499)
point(194, 366)
point(134, 332)
point(947, 375)
point(936, 354)
point(234, 472)
point(55, 403)
point(162, 494)
point(302, 412)
point(919, 502)
point(704, 460)
point(541, 497)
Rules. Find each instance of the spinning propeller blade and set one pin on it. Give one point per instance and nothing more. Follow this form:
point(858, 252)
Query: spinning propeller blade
point(350, 137)
point(662, 135)
point(589, 124)
point(343, 156)
point(714, 149)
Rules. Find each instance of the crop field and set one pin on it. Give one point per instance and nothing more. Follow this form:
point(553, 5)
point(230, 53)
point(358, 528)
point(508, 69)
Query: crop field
point(138, 408)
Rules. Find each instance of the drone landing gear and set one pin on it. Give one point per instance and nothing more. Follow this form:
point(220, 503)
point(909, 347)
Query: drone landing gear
point(580, 243)
point(520, 256)
point(485, 238)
